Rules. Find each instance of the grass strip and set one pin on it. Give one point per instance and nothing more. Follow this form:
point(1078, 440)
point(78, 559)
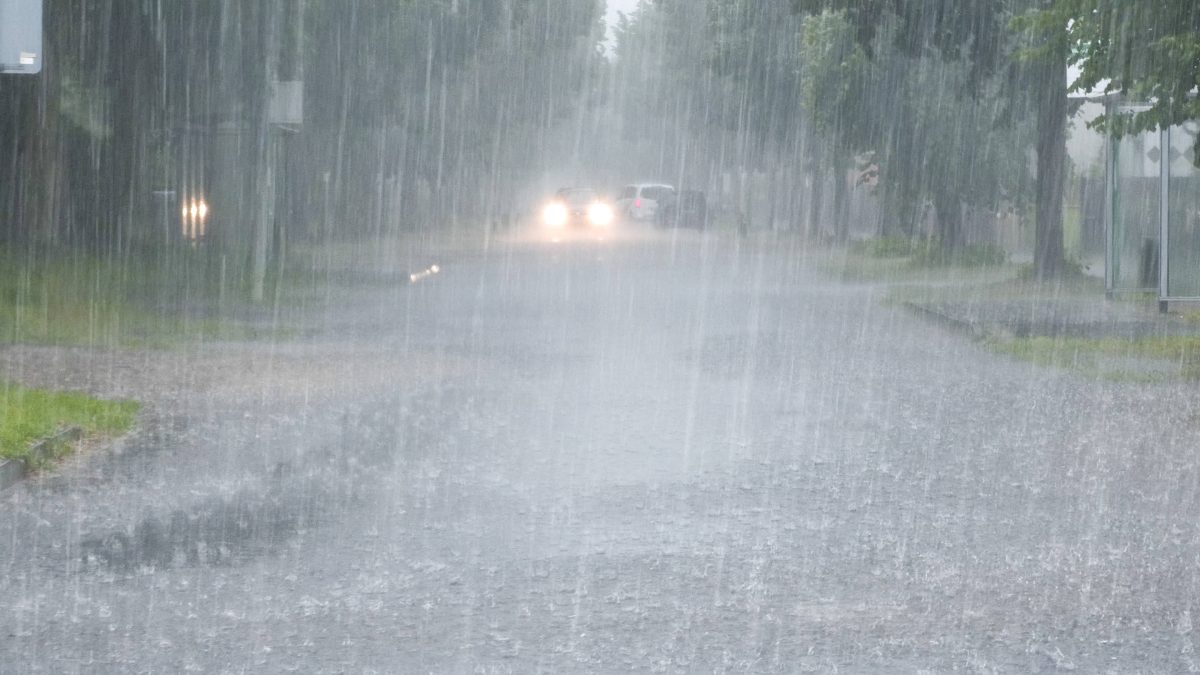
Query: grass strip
point(30, 415)
point(1144, 359)
point(75, 299)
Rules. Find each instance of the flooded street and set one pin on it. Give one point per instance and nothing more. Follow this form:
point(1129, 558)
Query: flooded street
point(664, 453)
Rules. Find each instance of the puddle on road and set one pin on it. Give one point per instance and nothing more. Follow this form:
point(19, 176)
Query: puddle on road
point(260, 519)
point(214, 532)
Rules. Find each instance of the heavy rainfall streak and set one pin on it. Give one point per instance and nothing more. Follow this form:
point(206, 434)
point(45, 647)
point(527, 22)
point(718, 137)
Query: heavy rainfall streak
point(554, 336)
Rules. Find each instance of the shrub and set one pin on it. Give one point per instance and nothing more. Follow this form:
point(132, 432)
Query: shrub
point(887, 247)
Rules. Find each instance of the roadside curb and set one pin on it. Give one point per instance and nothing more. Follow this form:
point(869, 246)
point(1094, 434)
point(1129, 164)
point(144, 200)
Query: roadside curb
point(968, 328)
point(13, 471)
point(1005, 327)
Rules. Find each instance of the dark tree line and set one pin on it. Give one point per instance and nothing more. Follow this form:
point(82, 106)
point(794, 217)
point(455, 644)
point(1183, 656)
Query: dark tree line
point(944, 100)
point(416, 114)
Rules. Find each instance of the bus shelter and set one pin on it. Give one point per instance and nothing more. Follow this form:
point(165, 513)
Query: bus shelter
point(1152, 214)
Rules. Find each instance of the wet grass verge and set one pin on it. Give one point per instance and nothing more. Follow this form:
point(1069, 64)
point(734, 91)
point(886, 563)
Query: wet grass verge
point(862, 263)
point(74, 299)
point(1066, 324)
point(1151, 359)
point(31, 415)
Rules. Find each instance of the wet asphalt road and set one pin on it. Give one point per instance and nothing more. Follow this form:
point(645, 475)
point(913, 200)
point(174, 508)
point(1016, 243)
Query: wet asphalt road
point(656, 455)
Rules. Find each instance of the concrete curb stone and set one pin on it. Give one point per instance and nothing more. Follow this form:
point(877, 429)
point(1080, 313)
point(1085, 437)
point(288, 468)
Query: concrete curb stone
point(13, 470)
point(1006, 321)
point(974, 330)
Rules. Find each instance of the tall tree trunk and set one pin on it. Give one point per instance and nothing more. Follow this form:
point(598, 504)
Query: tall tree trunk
point(1051, 84)
point(897, 216)
point(841, 203)
point(816, 204)
point(948, 209)
point(772, 194)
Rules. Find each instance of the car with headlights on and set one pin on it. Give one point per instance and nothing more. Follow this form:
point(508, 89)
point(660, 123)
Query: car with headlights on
point(577, 207)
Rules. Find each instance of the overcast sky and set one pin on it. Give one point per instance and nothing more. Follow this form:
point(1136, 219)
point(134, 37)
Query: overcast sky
point(615, 6)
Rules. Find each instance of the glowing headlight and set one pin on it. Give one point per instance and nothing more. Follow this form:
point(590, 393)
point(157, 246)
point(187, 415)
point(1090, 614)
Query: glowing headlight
point(600, 214)
point(555, 214)
point(195, 213)
point(196, 209)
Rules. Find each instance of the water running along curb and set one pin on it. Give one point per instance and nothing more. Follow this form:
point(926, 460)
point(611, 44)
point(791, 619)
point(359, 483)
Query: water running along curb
point(13, 470)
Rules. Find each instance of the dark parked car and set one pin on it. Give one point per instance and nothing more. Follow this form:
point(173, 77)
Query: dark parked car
point(686, 208)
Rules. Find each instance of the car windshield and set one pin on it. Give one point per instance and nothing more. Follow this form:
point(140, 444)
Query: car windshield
point(577, 196)
point(326, 345)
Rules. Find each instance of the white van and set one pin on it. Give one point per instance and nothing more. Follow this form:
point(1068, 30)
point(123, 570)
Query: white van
point(640, 201)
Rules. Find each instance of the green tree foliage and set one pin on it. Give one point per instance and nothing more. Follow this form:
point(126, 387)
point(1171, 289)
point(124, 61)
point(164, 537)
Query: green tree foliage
point(426, 102)
point(959, 30)
point(837, 78)
point(976, 33)
point(949, 147)
point(1147, 51)
point(431, 116)
point(802, 93)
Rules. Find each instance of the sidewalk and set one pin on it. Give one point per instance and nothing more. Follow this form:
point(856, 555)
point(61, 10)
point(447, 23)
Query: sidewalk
point(1073, 327)
point(1072, 315)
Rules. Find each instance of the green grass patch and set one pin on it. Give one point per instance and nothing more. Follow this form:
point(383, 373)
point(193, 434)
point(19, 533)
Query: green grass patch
point(916, 261)
point(29, 415)
point(1072, 271)
point(887, 247)
point(856, 267)
point(921, 252)
point(1146, 359)
point(66, 298)
point(852, 266)
point(976, 255)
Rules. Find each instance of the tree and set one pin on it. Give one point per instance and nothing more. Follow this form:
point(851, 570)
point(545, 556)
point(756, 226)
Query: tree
point(712, 88)
point(1147, 51)
point(449, 104)
point(837, 79)
point(978, 33)
point(928, 118)
point(804, 92)
point(426, 92)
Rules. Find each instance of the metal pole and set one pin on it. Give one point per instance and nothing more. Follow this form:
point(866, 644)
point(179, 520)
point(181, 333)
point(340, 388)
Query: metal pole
point(1110, 194)
point(1164, 230)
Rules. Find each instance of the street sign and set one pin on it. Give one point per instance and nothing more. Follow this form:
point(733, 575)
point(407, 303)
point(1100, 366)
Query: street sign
point(286, 106)
point(21, 37)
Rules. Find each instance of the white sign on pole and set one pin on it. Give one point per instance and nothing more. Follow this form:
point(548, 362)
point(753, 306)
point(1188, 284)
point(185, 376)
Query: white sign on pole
point(21, 36)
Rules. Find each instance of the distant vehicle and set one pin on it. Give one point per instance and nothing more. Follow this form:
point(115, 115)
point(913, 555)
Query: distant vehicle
point(640, 200)
point(686, 208)
point(577, 207)
point(181, 217)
